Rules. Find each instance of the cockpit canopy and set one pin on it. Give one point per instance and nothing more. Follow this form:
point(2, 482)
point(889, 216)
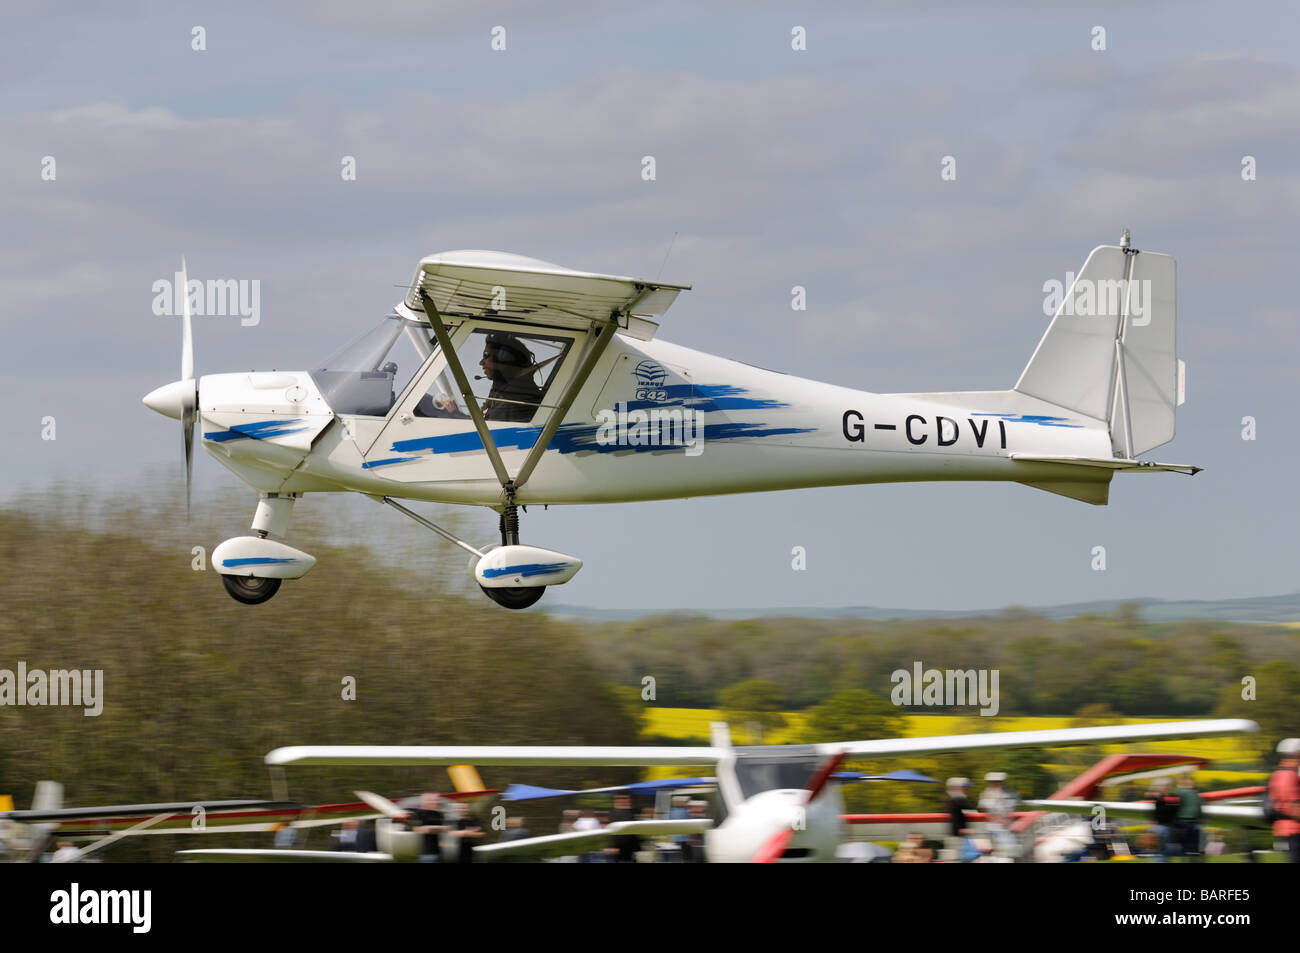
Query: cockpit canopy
point(367, 375)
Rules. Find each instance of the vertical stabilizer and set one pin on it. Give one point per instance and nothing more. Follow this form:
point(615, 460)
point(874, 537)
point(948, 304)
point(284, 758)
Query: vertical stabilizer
point(1109, 352)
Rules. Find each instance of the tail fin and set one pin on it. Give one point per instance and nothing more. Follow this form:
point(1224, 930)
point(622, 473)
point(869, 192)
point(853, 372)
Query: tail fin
point(464, 778)
point(1109, 352)
point(48, 796)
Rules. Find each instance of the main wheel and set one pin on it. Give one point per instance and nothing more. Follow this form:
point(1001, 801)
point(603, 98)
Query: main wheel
point(250, 590)
point(520, 597)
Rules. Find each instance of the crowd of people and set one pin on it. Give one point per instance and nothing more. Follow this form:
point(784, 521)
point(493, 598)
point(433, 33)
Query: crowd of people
point(630, 849)
point(1176, 828)
point(450, 831)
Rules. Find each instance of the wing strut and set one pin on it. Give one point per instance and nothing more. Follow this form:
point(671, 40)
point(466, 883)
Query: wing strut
point(471, 402)
point(604, 333)
point(118, 835)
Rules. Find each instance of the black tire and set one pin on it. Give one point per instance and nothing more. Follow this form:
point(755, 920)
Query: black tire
point(515, 598)
point(250, 590)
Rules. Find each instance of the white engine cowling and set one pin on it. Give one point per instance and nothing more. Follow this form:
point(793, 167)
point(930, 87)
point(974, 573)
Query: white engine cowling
point(402, 845)
point(509, 567)
point(263, 558)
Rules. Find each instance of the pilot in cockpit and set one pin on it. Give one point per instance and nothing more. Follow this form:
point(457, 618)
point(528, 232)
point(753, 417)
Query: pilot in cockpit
point(510, 366)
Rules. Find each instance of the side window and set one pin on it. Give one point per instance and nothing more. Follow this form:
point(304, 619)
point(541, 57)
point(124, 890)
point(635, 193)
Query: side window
point(510, 375)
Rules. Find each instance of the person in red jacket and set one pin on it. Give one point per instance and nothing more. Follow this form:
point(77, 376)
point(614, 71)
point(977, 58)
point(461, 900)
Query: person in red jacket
point(1284, 796)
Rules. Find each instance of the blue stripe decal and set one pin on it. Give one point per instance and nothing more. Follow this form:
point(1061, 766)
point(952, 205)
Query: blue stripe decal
point(582, 438)
point(258, 430)
point(528, 569)
point(1041, 419)
point(256, 561)
point(371, 464)
point(574, 438)
point(521, 438)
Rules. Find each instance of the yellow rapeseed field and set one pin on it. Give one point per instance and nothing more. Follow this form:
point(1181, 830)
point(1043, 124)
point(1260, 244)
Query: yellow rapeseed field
point(693, 723)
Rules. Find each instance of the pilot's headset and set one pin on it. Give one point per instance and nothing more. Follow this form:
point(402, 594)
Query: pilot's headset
point(508, 351)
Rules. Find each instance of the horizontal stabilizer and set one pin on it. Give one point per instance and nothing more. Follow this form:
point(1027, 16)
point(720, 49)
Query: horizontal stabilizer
point(1117, 465)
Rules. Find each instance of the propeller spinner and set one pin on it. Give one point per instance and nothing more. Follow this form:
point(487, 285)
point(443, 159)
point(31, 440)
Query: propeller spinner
point(776, 845)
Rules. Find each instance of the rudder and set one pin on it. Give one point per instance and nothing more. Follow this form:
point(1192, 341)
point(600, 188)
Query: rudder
point(1109, 352)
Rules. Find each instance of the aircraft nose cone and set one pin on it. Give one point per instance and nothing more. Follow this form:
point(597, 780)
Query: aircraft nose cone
point(169, 400)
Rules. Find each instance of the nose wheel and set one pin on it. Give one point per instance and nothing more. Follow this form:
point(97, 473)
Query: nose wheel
point(251, 590)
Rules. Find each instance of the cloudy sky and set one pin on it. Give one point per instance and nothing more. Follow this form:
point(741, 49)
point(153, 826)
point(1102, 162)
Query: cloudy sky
point(775, 168)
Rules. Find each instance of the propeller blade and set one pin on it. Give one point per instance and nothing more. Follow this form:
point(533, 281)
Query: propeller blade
point(191, 400)
point(187, 338)
point(187, 432)
point(381, 804)
point(822, 775)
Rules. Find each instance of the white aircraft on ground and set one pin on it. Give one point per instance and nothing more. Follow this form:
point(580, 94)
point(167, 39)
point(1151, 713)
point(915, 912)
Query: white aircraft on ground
point(578, 402)
point(775, 802)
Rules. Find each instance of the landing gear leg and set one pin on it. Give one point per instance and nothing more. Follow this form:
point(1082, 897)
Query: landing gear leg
point(270, 520)
point(509, 597)
point(510, 521)
point(515, 597)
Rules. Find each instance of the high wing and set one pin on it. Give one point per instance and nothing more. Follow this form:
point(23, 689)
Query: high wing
point(475, 284)
point(637, 756)
point(577, 842)
point(646, 756)
point(634, 756)
point(1215, 815)
point(1047, 738)
point(513, 287)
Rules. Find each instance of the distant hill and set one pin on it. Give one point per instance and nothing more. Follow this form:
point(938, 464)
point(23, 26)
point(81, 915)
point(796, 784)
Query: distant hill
point(1263, 609)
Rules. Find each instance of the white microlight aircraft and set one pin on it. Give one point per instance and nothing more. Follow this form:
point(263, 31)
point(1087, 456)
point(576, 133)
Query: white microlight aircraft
point(775, 801)
point(578, 402)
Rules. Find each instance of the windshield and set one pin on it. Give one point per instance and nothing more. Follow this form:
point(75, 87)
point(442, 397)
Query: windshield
point(367, 375)
point(763, 772)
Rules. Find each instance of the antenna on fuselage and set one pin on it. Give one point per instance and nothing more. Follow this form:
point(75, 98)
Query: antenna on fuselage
point(666, 254)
